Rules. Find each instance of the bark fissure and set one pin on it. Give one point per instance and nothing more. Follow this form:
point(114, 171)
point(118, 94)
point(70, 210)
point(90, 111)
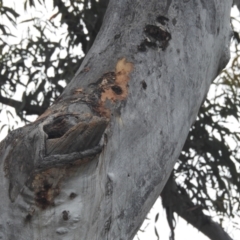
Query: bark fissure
point(104, 150)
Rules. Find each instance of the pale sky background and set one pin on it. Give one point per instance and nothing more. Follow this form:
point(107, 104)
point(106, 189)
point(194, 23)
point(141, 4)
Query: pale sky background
point(183, 231)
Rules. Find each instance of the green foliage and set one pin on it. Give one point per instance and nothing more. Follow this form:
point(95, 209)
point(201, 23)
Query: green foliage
point(209, 163)
point(44, 61)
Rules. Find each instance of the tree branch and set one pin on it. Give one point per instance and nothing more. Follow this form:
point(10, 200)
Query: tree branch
point(237, 3)
point(27, 107)
point(180, 203)
point(147, 80)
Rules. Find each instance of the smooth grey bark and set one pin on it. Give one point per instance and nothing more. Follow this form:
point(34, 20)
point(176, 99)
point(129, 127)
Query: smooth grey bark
point(135, 96)
point(175, 199)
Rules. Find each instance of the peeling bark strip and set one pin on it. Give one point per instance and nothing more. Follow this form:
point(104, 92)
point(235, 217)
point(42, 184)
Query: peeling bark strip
point(68, 134)
point(115, 87)
point(118, 90)
point(67, 139)
point(110, 89)
point(44, 157)
point(82, 136)
point(87, 176)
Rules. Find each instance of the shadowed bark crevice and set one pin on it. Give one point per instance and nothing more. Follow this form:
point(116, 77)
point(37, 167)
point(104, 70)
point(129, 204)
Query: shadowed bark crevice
point(147, 124)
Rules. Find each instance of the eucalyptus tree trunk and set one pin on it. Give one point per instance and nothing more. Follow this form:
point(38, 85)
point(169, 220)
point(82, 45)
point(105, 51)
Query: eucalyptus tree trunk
point(94, 163)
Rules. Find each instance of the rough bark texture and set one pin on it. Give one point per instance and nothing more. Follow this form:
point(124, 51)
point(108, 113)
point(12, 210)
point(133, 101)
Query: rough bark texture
point(94, 163)
point(175, 199)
